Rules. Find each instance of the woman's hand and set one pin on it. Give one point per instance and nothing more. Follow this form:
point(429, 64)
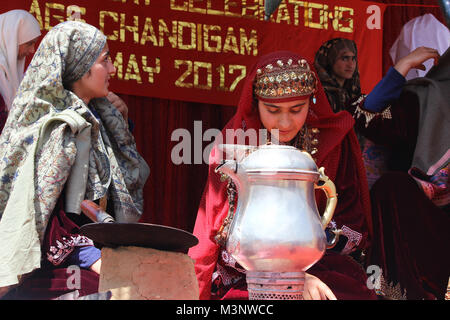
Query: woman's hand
point(96, 266)
point(315, 289)
point(416, 59)
point(117, 102)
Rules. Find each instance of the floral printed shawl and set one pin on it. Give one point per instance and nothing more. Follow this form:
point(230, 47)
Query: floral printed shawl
point(53, 142)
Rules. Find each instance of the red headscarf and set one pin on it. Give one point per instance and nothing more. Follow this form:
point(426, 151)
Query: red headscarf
point(334, 128)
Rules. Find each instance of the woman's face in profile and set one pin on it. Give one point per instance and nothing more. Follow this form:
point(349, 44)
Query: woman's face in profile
point(95, 83)
point(26, 49)
point(287, 117)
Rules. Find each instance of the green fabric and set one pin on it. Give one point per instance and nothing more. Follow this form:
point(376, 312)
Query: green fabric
point(432, 94)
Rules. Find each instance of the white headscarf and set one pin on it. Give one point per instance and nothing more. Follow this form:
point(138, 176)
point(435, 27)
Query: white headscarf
point(421, 31)
point(16, 27)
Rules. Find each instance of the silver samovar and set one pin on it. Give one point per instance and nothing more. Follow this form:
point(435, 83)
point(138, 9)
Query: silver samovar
point(276, 232)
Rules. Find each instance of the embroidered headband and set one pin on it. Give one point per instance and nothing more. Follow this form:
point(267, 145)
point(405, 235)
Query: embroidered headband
point(284, 80)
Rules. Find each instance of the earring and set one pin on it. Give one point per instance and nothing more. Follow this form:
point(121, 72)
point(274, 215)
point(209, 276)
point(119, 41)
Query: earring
point(314, 100)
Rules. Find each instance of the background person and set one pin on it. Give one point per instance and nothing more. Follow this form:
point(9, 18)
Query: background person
point(337, 65)
point(19, 32)
point(411, 206)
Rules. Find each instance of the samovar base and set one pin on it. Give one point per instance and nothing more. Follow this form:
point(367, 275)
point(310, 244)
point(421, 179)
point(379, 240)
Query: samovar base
point(275, 285)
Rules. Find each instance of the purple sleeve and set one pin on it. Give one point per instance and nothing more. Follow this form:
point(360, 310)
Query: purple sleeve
point(84, 256)
point(387, 90)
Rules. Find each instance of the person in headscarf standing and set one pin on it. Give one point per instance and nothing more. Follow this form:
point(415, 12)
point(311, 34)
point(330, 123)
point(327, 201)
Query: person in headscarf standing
point(63, 142)
point(19, 32)
point(336, 63)
point(299, 109)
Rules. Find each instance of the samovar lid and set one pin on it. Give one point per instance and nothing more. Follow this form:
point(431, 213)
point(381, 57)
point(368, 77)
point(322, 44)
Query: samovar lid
point(283, 158)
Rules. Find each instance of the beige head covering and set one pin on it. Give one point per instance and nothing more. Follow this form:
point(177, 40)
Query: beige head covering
point(421, 31)
point(16, 27)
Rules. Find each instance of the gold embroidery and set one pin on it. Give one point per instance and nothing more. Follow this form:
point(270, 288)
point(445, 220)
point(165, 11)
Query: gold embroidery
point(285, 79)
point(391, 291)
point(385, 114)
point(222, 234)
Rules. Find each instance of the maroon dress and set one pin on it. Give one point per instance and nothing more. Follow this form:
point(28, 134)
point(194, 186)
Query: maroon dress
point(57, 276)
point(3, 113)
point(411, 241)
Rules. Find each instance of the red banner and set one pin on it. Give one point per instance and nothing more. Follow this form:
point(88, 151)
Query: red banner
point(201, 50)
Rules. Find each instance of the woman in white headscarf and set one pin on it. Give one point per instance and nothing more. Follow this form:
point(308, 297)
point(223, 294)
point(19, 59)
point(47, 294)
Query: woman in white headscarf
point(422, 31)
point(19, 32)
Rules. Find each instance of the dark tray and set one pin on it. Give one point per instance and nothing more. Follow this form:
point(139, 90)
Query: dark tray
point(140, 235)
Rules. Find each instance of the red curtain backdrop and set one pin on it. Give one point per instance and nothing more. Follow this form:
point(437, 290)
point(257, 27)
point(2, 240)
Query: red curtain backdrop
point(173, 192)
point(201, 50)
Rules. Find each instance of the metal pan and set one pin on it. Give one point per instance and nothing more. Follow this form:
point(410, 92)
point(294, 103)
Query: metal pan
point(139, 235)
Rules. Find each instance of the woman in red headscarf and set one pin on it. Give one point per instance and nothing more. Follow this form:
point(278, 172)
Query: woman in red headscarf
point(296, 105)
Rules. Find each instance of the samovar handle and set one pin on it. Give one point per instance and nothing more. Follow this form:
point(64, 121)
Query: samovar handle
point(329, 188)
